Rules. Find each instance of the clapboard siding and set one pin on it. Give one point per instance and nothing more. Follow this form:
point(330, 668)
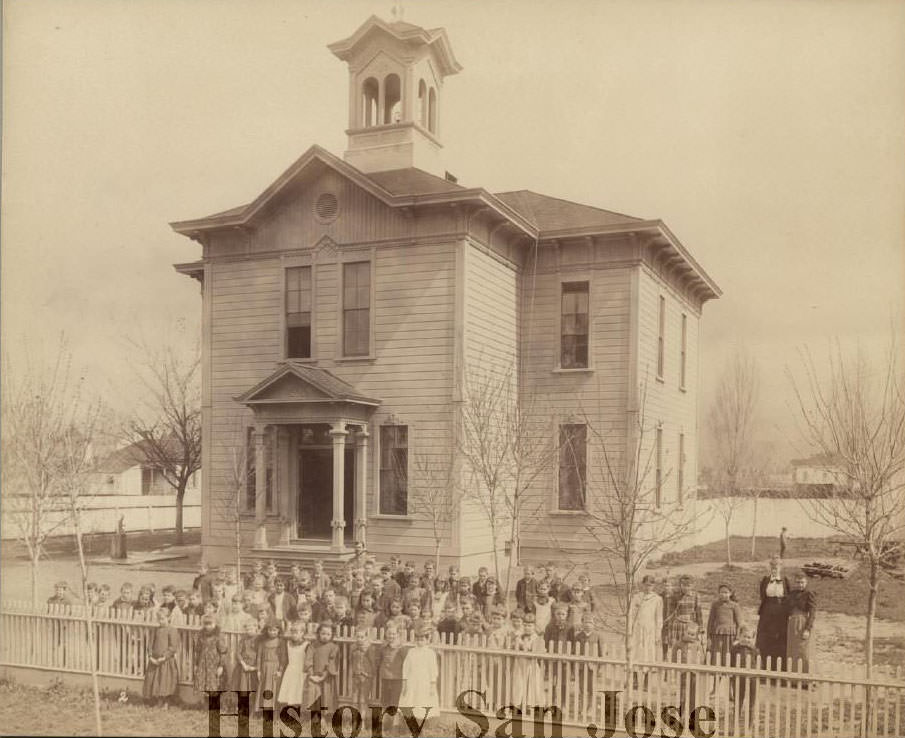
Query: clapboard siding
point(411, 369)
point(666, 403)
point(597, 396)
point(491, 352)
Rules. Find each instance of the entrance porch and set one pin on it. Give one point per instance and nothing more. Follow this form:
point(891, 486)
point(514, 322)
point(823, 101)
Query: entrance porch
point(310, 461)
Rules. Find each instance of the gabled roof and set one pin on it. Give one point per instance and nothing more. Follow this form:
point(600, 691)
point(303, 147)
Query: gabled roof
point(412, 187)
point(297, 382)
point(407, 33)
point(828, 461)
point(536, 216)
point(551, 213)
point(134, 454)
point(412, 181)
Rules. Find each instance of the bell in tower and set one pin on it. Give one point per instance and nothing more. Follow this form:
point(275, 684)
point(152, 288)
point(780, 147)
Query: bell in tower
point(396, 73)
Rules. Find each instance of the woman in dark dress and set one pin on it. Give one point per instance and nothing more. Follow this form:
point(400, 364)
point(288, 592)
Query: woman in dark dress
point(773, 614)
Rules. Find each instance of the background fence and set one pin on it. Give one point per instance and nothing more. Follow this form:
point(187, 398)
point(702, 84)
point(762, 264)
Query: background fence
point(756, 700)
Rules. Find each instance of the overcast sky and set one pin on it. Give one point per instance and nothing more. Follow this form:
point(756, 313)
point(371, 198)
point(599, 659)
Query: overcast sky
point(769, 136)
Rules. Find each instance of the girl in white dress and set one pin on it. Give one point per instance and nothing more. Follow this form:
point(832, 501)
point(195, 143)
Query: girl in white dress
point(293, 685)
point(528, 673)
point(419, 677)
point(647, 622)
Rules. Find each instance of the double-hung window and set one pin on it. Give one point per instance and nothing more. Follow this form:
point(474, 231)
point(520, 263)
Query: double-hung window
point(574, 326)
point(357, 308)
point(573, 462)
point(298, 312)
point(394, 457)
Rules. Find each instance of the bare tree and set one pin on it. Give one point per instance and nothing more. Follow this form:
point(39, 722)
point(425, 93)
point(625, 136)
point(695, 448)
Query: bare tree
point(435, 496)
point(75, 470)
point(628, 519)
point(855, 417)
point(730, 423)
point(504, 449)
point(48, 436)
point(40, 405)
point(166, 429)
point(233, 505)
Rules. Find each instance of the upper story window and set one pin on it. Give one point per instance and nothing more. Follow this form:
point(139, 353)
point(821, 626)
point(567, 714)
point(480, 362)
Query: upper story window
point(573, 458)
point(394, 456)
point(683, 357)
point(661, 333)
point(392, 99)
point(432, 110)
point(370, 95)
point(251, 476)
point(658, 475)
point(422, 103)
point(680, 470)
point(356, 308)
point(298, 312)
point(574, 326)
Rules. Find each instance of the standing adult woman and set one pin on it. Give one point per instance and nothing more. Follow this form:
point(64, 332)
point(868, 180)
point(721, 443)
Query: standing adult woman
point(773, 614)
point(802, 608)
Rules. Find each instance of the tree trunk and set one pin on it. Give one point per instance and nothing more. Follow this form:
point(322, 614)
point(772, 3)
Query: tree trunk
point(34, 580)
point(180, 496)
point(437, 543)
point(754, 530)
point(728, 546)
point(871, 612)
point(89, 626)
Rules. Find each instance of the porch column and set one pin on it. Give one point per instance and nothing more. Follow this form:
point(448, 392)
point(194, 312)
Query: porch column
point(338, 433)
point(361, 485)
point(283, 489)
point(260, 487)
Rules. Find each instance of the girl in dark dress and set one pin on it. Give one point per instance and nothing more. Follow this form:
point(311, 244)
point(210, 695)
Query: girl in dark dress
point(162, 671)
point(271, 661)
point(245, 674)
point(802, 608)
point(773, 614)
point(322, 667)
point(210, 656)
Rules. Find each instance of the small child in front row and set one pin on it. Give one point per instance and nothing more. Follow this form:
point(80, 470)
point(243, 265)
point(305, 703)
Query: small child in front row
point(360, 670)
point(743, 655)
point(322, 668)
point(162, 672)
point(245, 675)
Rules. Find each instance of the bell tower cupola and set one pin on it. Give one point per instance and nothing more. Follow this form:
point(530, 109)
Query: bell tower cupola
point(396, 73)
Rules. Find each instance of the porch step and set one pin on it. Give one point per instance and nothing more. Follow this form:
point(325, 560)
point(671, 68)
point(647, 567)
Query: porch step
point(305, 556)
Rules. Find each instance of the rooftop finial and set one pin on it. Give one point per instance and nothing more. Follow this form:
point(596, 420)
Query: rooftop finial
point(398, 11)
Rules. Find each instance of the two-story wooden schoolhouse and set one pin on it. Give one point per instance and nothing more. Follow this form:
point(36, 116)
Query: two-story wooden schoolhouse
point(345, 308)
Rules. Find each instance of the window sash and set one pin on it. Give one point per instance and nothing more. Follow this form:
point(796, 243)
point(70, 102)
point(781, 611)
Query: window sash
point(574, 325)
point(298, 312)
point(658, 489)
point(573, 451)
point(356, 308)
point(680, 472)
point(250, 470)
point(683, 357)
point(393, 470)
point(661, 329)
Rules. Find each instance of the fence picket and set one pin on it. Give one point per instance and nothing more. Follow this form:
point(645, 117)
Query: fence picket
point(794, 703)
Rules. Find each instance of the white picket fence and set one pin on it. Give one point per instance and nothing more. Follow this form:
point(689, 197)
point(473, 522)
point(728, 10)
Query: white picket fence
point(768, 701)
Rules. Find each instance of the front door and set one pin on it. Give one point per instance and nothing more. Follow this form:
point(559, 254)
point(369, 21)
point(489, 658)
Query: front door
point(315, 495)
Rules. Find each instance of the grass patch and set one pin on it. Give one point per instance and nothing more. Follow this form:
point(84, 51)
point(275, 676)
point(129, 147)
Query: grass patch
point(765, 546)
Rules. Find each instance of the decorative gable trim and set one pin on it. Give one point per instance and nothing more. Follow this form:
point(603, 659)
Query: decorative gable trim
point(298, 383)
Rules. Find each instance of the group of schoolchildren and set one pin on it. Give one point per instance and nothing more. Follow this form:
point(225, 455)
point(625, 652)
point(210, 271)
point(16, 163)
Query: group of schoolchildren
point(277, 660)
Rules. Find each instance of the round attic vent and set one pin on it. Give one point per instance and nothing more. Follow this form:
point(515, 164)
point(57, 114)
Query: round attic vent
point(326, 207)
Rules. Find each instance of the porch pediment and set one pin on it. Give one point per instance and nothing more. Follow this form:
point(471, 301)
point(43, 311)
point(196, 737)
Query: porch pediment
point(295, 383)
